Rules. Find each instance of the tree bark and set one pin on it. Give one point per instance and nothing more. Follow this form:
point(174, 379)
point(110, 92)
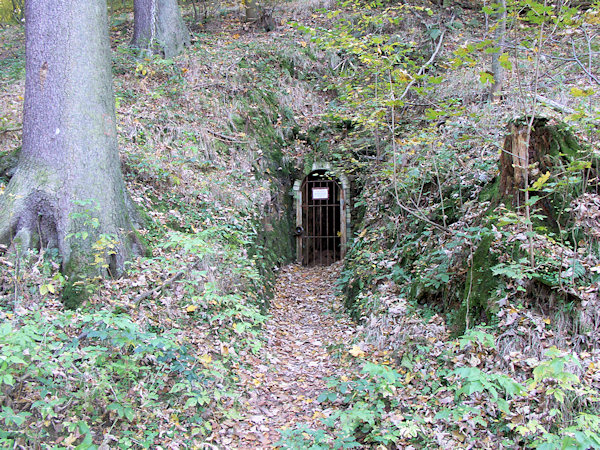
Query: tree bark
point(68, 191)
point(158, 27)
point(251, 11)
point(513, 165)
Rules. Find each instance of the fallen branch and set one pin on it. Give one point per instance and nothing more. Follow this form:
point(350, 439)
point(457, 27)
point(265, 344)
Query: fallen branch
point(7, 130)
point(207, 85)
point(554, 105)
point(558, 107)
point(373, 158)
point(423, 218)
point(166, 284)
point(225, 138)
point(156, 290)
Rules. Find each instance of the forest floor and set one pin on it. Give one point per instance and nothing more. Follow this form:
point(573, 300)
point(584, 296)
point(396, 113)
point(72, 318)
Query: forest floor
point(302, 336)
point(183, 354)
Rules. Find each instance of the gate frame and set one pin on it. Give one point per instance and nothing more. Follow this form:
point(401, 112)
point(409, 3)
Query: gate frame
point(344, 206)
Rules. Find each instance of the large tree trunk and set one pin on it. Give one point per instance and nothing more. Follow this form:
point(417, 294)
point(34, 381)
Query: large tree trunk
point(68, 191)
point(159, 28)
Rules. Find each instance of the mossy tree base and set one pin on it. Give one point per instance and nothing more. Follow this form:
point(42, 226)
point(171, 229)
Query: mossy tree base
point(8, 163)
point(67, 190)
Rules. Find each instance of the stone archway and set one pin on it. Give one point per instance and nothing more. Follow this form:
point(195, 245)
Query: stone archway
point(322, 216)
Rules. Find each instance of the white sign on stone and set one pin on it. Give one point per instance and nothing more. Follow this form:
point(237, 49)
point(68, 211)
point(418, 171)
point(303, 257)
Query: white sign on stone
point(321, 193)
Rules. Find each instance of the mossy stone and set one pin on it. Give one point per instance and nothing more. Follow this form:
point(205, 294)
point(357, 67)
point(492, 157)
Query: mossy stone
point(74, 294)
point(563, 142)
point(491, 192)
point(480, 288)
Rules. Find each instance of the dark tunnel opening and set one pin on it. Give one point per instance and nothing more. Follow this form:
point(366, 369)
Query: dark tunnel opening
point(321, 219)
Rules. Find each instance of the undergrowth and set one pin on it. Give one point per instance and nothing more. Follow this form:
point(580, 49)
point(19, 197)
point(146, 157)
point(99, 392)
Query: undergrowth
point(446, 393)
point(470, 344)
point(153, 359)
point(440, 250)
point(157, 364)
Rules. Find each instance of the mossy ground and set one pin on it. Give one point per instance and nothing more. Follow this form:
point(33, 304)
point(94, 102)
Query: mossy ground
point(481, 289)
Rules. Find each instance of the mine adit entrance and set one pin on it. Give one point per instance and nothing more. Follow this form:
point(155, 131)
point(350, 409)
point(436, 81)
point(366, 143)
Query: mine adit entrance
point(321, 219)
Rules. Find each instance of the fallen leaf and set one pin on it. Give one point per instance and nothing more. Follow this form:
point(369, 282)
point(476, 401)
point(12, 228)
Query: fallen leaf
point(357, 352)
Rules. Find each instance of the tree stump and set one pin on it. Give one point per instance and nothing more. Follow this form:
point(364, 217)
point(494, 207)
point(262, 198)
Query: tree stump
point(552, 148)
point(517, 158)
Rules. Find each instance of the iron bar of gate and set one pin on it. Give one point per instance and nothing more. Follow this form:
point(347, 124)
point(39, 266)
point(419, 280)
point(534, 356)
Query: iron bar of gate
point(327, 225)
point(315, 224)
point(334, 197)
point(321, 214)
point(320, 217)
point(310, 223)
point(306, 224)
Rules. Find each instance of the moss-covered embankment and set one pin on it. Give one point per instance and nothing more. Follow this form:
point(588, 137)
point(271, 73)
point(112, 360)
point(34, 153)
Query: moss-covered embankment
point(461, 267)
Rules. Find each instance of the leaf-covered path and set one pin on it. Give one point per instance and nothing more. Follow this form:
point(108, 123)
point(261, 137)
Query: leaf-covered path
point(281, 390)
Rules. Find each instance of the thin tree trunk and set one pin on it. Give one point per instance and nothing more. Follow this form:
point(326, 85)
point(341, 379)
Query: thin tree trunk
point(193, 2)
point(68, 191)
point(499, 38)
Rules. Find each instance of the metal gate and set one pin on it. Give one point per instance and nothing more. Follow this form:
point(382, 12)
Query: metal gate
point(322, 200)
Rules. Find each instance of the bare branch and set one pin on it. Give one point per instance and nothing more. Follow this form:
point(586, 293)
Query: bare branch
point(427, 64)
point(226, 138)
point(423, 218)
point(591, 76)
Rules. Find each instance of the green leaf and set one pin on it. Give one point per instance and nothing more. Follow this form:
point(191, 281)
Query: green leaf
point(323, 397)
point(432, 114)
point(443, 414)
point(576, 92)
point(8, 379)
point(503, 405)
point(117, 408)
point(434, 33)
point(504, 61)
point(191, 402)
point(533, 200)
point(486, 78)
point(129, 413)
point(87, 443)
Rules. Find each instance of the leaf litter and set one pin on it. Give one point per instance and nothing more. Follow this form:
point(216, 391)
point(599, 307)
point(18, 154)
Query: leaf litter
point(281, 390)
